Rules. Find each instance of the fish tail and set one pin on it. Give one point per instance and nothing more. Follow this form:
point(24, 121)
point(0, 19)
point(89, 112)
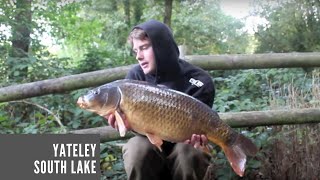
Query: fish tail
point(237, 153)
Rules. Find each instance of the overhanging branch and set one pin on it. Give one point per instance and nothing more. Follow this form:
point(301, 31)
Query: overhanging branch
point(217, 62)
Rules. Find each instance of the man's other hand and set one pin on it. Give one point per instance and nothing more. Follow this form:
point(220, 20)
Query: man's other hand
point(199, 142)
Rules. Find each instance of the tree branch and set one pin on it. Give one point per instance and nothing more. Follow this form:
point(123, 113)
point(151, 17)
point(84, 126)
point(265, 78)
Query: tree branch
point(212, 62)
point(56, 118)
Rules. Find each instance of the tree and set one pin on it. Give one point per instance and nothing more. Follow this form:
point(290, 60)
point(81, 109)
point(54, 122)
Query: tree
point(21, 29)
point(21, 26)
point(138, 6)
point(205, 29)
point(292, 26)
point(167, 12)
point(126, 4)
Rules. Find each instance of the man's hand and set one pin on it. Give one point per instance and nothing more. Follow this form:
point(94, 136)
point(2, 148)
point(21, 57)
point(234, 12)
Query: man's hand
point(199, 142)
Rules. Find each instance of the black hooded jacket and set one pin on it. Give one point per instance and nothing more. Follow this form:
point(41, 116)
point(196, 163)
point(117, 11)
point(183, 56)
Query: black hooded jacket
point(171, 71)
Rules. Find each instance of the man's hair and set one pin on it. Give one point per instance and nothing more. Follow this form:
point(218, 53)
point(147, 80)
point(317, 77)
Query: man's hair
point(137, 33)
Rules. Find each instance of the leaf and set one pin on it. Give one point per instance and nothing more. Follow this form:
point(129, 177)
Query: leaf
point(3, 118)
point(16, 73)
point(75, 124)
point(254, 164)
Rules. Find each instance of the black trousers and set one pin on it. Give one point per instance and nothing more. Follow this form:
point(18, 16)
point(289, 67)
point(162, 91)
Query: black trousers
point(143, 161)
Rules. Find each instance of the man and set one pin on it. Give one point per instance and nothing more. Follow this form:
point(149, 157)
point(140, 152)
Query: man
point(159, 63)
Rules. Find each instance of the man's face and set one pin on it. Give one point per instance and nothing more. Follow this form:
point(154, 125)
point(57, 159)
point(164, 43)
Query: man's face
point(144, 55)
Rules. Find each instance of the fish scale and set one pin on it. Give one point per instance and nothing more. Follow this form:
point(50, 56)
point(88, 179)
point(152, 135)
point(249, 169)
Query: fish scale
point(164, 114)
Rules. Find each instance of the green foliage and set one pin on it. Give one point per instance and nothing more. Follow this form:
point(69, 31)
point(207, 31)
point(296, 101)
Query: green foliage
point(251, 90)
point(97, 59)
point(12, 119)
point(217, 34)
point(94, 60)
point(50, 67)
point(92, 35)
point(243, 90)
point(292, 26)
point(222, 169)
point(111, 161)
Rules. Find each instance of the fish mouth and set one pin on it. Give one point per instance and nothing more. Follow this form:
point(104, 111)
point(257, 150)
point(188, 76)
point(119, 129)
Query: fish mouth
point(81, 103)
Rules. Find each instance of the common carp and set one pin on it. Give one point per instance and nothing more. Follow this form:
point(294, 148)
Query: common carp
point(161, 114)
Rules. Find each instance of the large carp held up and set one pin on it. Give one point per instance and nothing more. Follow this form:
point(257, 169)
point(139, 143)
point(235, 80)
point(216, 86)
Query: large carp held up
point(161, 114)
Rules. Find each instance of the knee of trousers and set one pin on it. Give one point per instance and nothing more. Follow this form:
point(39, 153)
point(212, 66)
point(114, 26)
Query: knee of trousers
point(188, 153)
point(188, 162)
point(137, 149)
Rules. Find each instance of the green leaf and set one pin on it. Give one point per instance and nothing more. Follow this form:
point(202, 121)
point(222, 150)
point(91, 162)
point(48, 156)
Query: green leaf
point(16, 73)
point(255, 164)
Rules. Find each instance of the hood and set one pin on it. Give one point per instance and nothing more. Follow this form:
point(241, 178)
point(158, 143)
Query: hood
point(165, 48)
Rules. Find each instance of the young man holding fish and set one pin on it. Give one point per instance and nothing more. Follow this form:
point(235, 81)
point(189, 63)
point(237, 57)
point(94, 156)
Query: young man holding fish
point(159, 64)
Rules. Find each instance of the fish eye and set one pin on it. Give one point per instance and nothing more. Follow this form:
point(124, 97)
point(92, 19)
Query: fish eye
point(95, 92)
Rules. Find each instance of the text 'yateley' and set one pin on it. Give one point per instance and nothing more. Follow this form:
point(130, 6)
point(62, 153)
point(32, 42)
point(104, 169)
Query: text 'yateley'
point(74, 150)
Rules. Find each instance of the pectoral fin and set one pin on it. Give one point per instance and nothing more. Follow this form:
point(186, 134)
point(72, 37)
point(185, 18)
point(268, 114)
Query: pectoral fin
point(121, 125)
point(155, 140)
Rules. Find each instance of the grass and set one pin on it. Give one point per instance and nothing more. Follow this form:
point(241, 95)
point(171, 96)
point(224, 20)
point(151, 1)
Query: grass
point(294, 151)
